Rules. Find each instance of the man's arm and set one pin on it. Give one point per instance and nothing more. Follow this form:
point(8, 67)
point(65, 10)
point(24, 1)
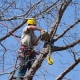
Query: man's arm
point(34, 28)
point(36, 41)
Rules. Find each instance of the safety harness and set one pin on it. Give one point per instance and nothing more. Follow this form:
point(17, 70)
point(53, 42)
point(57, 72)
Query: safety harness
point(25, 52)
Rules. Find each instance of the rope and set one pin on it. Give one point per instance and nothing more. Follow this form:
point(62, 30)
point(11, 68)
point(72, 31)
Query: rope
point(49, 59)
point(11, 32)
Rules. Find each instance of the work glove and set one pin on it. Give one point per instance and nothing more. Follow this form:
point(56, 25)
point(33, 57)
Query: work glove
point(45, 35)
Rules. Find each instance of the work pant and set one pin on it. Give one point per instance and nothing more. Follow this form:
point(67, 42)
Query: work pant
point(25, 65)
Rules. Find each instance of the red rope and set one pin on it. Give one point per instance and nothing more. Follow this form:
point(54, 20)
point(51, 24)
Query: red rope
point(11, 32)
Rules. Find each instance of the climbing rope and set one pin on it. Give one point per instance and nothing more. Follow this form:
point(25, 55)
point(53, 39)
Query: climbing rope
point(49, 59)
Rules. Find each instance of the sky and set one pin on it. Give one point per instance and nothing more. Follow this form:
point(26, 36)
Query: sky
point(62, 59)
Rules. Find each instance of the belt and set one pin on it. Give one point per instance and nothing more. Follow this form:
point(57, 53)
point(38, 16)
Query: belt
point(25, 51)
point(26, 47)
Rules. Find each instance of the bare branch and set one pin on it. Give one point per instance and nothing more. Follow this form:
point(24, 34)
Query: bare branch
point(3, 46)
point(58, 19)
point(7, 7)
point(12, 31)
point(68, 69)
point(56, 48)
point(73, 25)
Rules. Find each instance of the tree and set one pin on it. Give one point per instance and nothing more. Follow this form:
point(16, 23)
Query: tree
point(64, 32)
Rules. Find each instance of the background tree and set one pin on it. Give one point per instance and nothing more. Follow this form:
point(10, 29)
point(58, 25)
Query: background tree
point(64, 37)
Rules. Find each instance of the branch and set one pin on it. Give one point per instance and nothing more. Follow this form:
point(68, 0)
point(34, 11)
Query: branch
point(12, 31)
point(7, 7)
point(3, 47)
point(20, 16)
point(67, 30)
point(58, 19)
point(56, 48)
point(68, 69)
point(47, 9)
point(4, 73)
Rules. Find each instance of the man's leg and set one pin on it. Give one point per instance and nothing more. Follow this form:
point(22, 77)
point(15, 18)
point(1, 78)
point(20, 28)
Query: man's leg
point(30, 63)
point(22, 70)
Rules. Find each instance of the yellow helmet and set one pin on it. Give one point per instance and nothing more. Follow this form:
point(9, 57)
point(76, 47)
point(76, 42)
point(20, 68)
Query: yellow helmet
point(31, 21)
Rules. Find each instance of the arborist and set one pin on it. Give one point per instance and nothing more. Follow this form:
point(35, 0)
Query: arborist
point(28, 40)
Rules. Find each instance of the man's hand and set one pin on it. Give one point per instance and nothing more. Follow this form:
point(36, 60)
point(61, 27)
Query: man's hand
point(45, 35)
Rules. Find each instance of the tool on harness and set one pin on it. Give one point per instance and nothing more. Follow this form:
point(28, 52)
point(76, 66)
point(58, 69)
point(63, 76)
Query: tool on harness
point(45, 35)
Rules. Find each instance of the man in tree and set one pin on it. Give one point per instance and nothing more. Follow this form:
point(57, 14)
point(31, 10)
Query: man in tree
point(28, 40)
